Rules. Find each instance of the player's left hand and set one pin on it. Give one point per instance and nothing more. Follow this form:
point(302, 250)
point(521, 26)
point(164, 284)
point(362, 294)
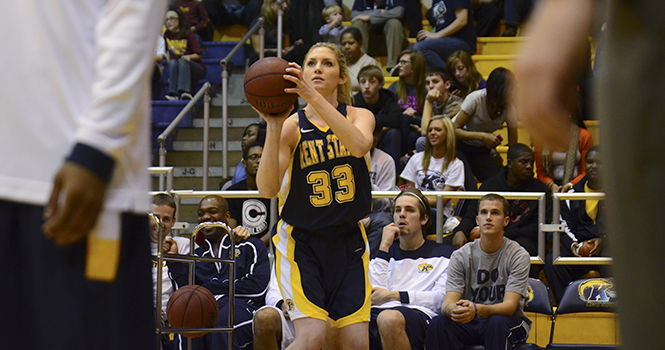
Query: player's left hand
point(381, 296)
point(74, 205)
point(241, 233)
point(273, 118)
point(303, 88)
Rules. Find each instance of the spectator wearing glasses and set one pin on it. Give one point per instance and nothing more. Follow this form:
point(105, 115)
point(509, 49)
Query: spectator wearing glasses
point(185, 66)
point(251, 213)
point(410, 91)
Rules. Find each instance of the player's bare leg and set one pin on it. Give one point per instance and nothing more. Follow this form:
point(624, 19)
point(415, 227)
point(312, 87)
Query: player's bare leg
point(354, 336)
point(392, 327)
point(310, 334)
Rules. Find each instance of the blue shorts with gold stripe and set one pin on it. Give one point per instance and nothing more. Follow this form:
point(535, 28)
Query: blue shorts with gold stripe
point(324, 273)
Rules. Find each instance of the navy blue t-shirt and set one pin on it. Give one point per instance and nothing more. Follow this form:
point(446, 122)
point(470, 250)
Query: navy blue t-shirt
point(443, 14)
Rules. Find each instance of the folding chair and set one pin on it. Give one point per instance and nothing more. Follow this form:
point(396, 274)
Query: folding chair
point(586, 295)
point(538, 301)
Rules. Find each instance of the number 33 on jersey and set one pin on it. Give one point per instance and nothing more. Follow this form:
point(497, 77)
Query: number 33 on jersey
point(325, 185)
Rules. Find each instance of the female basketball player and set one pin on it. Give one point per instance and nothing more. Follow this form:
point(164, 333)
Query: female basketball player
point(320, 249)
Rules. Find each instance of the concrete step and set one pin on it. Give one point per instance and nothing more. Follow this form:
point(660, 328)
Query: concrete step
point(195, 158)
point(499, 45)
point(487, 63)
point(215, 134)
point(191, 183)
point(213, 146)
point(235, 122)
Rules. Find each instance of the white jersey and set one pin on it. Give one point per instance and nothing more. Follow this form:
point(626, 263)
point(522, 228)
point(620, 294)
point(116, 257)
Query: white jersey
point(88, 86)
point(419, 275)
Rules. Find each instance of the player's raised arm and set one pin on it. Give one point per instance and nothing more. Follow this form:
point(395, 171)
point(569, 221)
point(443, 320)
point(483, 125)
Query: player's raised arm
point(281, 138)
point(322, 83)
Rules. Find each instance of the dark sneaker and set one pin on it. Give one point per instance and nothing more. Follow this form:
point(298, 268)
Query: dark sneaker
point(510, 31)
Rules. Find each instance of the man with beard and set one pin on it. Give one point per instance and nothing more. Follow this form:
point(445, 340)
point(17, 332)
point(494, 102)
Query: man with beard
point(252, 274)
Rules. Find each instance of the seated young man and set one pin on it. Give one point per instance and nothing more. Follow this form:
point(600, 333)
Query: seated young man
point(380, 23)
point(408, 276)
point(516, 176)
point(486, 286)
point(164, 208)
point(439, 101)
point(385, 106)
point(582, 221)
point(252, 274)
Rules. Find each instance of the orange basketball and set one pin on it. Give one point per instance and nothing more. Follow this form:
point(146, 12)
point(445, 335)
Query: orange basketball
point(192, 307)
point(585, 248)
point(475, 233)
point(265, 84)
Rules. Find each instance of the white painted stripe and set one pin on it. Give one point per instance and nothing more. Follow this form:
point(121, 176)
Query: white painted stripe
point(213, 146)
point(232, 122)
point(215, 171)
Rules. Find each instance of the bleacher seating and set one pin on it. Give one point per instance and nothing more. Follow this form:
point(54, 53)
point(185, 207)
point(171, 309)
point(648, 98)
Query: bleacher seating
point(491, 53)
point(163, 113)
point(213, 52)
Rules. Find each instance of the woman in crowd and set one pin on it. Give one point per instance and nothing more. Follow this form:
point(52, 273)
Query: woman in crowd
point(185, 66)
point(468, 79)
point(437, 168)
point(410, 91)
point(352, 42)
point(560, 171)
point(483, 112)
point(269, 10)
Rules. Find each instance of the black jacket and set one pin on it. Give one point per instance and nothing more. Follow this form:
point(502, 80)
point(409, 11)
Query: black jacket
point(523, 226)
point(578, 226)
point(387, 109)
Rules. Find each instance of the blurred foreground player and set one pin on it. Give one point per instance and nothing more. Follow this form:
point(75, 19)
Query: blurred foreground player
point(632, 149)
point(75, 256)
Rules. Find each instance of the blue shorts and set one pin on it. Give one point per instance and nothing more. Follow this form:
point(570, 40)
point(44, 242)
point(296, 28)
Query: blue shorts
point(324, 274)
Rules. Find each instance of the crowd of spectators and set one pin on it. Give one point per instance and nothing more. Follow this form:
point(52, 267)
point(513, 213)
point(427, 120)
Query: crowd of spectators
point(437, 129)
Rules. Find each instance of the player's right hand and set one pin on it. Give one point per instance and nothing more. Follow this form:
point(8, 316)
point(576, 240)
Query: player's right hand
point(433, 95)
point(390, 234)
point(74, 205)
point(273, 118)
point(170, 246)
